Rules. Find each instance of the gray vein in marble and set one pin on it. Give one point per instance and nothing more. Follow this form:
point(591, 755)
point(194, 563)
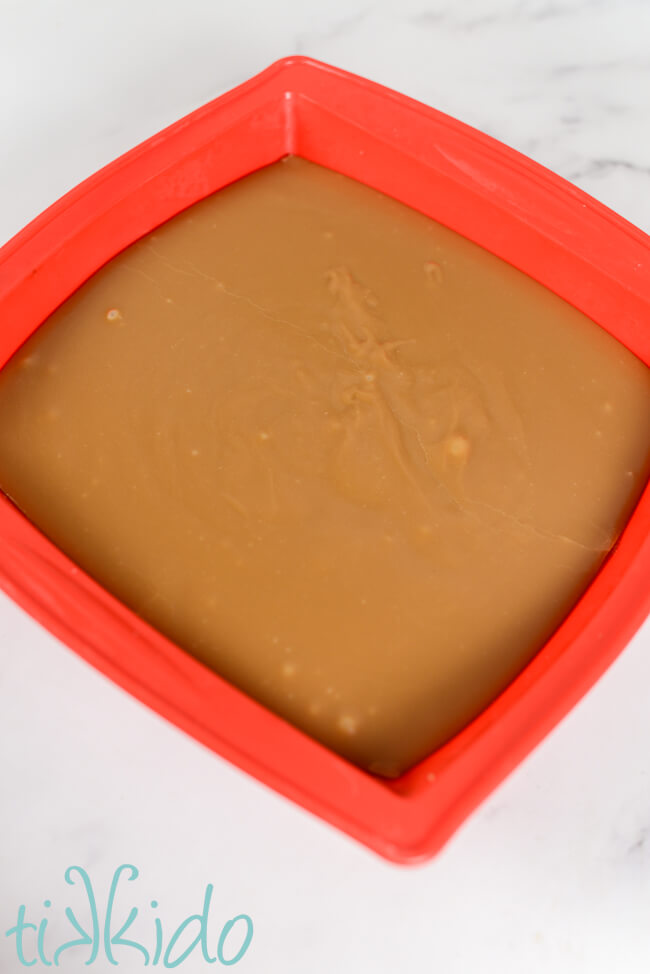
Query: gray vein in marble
point(338, 29)
point(641, 843)
point(505, 15)
point(602, 166)
point(598, 67)
point(427, 18)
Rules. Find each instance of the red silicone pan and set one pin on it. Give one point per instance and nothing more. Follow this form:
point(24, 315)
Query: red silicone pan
point(503, 201)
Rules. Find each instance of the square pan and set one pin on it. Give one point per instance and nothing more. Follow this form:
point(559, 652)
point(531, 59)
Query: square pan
point(489, 193)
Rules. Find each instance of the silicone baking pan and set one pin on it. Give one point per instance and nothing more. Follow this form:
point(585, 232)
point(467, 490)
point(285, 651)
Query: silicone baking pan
point(499, 199)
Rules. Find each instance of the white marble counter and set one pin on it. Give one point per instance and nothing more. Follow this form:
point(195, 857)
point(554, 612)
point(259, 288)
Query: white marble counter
point(552, 874)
